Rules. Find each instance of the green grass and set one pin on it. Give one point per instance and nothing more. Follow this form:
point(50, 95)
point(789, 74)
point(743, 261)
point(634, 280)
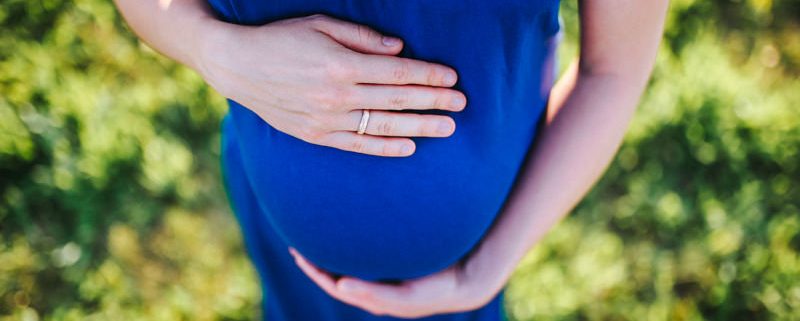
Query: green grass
point(111, 205)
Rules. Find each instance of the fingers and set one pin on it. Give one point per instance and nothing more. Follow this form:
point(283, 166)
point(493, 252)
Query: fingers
point(383, 123)
point(405, 97)
point(376, 62)
point(355, 36)
point(368, 144)
point(430, 296)
point(380, 69)
point(384, 294)
point(377, 139)
point(327, 283)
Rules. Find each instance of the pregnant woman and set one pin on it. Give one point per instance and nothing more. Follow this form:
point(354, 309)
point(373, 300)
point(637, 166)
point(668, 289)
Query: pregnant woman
point(379, 154)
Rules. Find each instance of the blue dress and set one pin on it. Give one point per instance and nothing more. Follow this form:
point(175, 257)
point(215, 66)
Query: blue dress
point(392, 218)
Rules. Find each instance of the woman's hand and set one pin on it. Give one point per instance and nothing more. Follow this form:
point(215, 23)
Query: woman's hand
point(311, 76)
point(461, 287)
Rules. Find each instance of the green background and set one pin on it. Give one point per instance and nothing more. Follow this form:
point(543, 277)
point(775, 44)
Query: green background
point(111, 205)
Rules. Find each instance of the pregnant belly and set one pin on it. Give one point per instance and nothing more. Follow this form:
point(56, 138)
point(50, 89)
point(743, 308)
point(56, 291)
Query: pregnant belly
point(382, 218)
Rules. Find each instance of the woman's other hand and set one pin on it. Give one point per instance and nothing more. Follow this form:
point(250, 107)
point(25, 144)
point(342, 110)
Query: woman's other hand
point(461, 287)
point(310, 77)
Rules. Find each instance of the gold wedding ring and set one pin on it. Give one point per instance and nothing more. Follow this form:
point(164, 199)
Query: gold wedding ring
point(362, 127)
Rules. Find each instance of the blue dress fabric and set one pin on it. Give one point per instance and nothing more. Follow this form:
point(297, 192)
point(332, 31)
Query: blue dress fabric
point(392, 218)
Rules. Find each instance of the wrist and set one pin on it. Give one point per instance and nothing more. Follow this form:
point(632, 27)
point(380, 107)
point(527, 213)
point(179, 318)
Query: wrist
point(488, 269)
point(215, 48)
point(209, 38)
point(495, 259)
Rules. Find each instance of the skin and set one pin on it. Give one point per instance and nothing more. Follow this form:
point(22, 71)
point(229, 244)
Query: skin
point(308, 77)
point(588, 113)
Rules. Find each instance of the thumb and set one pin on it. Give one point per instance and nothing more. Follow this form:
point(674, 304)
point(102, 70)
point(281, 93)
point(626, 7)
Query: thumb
point(357, 37)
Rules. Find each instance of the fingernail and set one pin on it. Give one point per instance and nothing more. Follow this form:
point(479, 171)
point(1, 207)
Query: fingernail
point(406, 149)
point(444, 128)
point(458, 101)
point(390, 41)
point(450, 79)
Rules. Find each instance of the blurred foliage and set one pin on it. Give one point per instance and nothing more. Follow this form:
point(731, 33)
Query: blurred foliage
point(111, 205)
point(105, 146)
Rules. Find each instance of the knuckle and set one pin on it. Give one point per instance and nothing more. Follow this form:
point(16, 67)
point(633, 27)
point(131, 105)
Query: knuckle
point(357, 145)
point(365, 33)
point(310, 135)
point(388, 150)
point(386, 127)
point(343, 94)
point(337, 69)
point(439, 101)
point(334, 98)
point(433, 77)
point(402, 71)
point(399, 100)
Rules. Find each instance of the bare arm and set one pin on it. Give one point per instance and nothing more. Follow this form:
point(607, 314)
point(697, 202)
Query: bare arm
point(589, 108)
point(588, 113)
point(173, 27)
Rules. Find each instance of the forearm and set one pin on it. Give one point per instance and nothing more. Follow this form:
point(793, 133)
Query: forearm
point(574, 149)
point(588, 113)
point(175, 28)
